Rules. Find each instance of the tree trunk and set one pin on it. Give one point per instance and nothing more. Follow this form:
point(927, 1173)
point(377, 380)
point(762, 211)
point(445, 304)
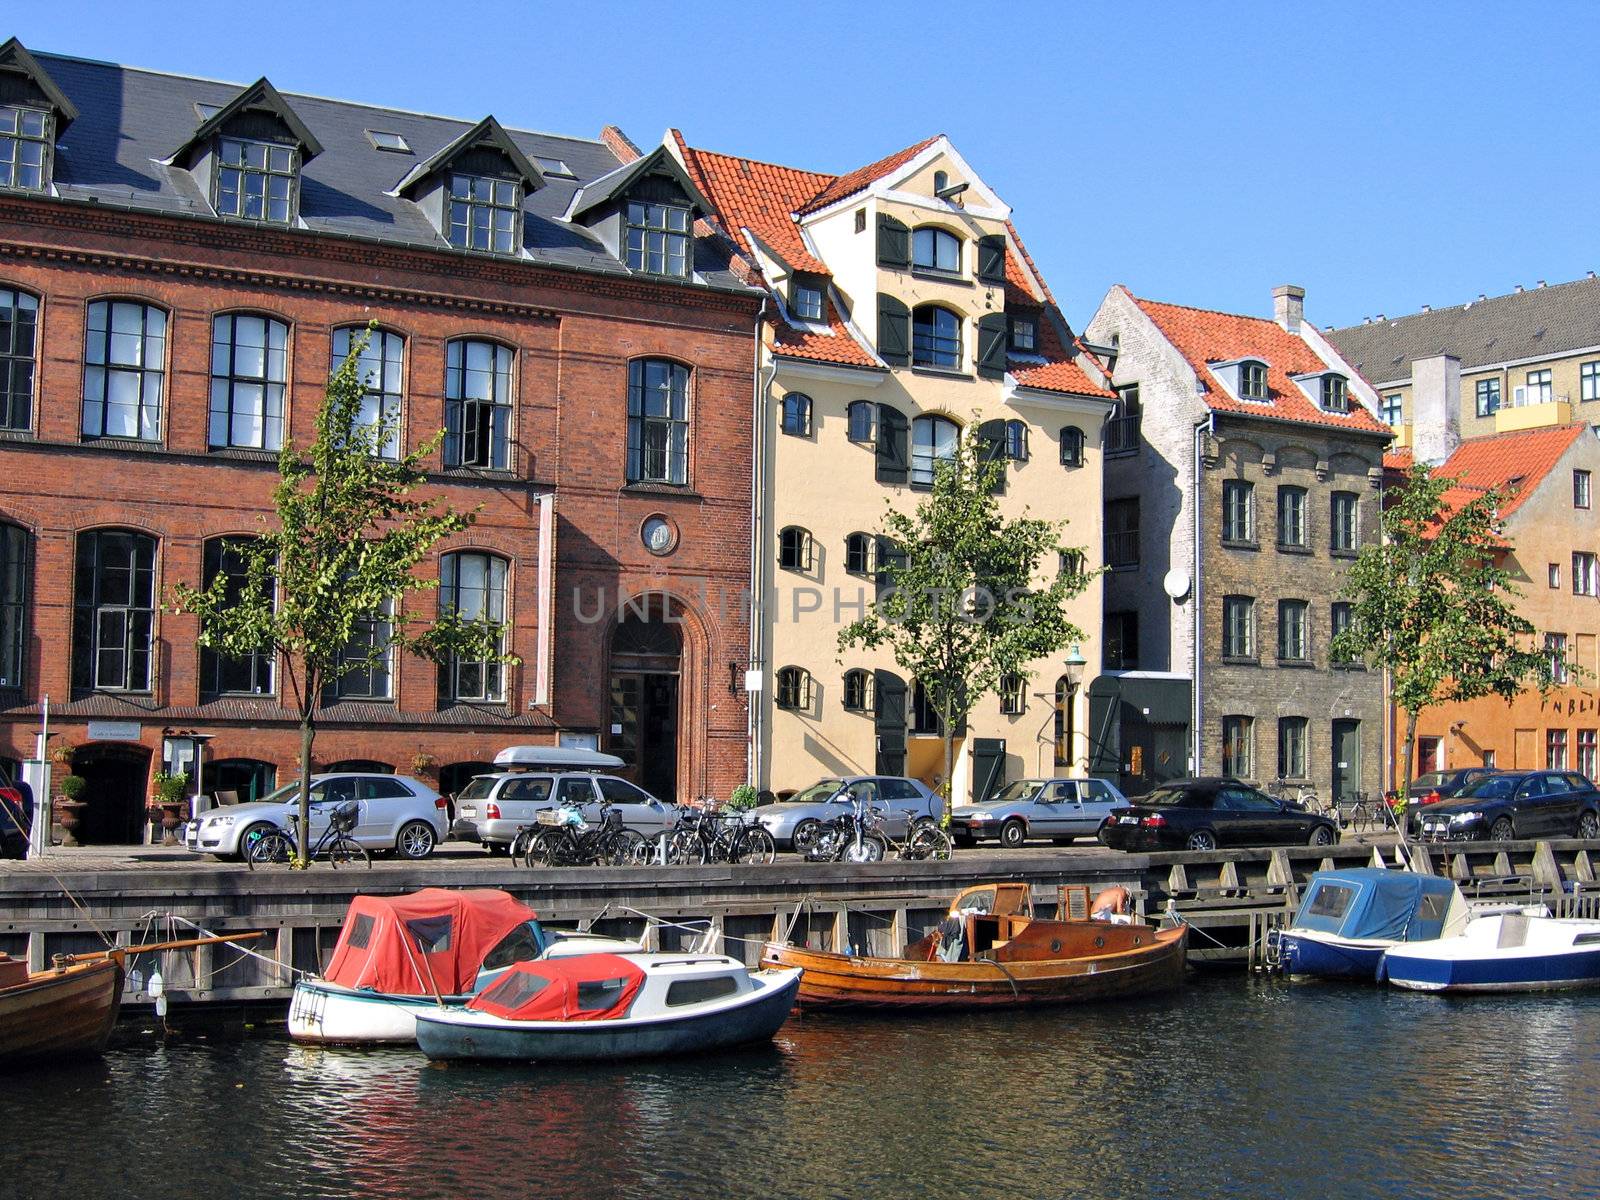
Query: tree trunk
point(308, 733)
point(947, 735)
point(1408, 761)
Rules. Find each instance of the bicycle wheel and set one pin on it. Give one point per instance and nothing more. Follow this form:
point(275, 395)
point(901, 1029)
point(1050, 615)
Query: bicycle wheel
point(685, 849)
point(536, 849)
point(347, 852)
point(755, 847)
point(519, 844)
point(625, 848)
point(928, 842)
point(270, 849)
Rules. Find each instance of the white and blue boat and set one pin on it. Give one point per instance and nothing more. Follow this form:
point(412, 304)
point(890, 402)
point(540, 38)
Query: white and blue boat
point(1508, 952)
point(1350, 918)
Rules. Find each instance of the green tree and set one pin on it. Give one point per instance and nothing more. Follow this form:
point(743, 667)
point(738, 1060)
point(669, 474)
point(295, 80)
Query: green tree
point(1435, 606)
point(964, 604)
point(344, 543)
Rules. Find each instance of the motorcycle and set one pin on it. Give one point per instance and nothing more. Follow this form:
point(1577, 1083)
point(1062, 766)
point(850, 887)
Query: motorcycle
point(848, 838)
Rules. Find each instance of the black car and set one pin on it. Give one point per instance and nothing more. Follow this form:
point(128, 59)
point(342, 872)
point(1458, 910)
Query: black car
point(1435, 786)
point(1516, 804)
point(1202, 814)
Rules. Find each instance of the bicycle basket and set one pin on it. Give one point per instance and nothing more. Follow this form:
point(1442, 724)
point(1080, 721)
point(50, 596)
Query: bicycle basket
point(613, 819)
point(344, 817)
point(548, 816)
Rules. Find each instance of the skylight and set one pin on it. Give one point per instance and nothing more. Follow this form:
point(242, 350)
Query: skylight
point(555, 167)
point(388, 141)
point(206, 111)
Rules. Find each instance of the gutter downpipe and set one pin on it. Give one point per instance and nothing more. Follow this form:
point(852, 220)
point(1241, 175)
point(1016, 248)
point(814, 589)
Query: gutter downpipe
point(758, 458)
point(1209, 425)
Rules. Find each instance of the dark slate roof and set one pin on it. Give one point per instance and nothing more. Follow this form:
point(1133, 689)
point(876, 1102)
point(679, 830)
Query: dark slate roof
point(1540, 323)
point(131, 120)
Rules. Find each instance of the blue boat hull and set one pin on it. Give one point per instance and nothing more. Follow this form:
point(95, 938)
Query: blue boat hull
point(602, 1040)
point(1303, 954)
point(1519, 973)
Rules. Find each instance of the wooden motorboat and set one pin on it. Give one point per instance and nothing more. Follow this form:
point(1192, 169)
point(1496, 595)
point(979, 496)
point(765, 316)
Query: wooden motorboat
point(612, 1006)
point(990, 951)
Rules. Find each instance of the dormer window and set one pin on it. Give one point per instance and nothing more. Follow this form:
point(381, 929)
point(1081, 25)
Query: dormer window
point(256, 180)
point(935, 249)
point(805, 299)
point(1335, 394)
point(24, 148)
point(485, 214)
point(1253, 380)
point(658, 239)
point(1024, 334)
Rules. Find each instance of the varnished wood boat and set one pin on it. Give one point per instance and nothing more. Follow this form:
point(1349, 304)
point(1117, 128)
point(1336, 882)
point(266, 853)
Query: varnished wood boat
point(990, 951)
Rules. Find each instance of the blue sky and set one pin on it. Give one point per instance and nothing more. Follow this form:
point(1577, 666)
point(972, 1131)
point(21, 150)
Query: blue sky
point(1384, 156)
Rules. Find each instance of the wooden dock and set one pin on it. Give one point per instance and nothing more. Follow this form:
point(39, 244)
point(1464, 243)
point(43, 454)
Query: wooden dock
point(1232, 900)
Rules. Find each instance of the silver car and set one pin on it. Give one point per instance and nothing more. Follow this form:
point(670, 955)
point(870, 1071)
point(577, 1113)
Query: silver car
point(393, 812)
point(492, 808)
point(794, 823)
point(1058, 809)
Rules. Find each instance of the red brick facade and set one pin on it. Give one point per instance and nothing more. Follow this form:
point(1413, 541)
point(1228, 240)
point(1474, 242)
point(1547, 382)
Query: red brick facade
point(573, 335)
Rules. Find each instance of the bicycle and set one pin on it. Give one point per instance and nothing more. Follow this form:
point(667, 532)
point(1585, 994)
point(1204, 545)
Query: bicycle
point(702, 837)
point(924, 838)
point(1305, 796)
point(563, 838)
point(277, 846)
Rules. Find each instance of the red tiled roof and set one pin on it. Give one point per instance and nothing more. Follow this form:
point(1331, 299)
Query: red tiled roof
point(864, 177)
point(1203, 336)
point(1060, 372)
point(757, 196)
point(1397, 460)
point(1513, 463)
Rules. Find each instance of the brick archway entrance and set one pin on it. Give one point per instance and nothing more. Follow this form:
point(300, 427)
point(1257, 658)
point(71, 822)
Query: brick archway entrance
point(642, 728)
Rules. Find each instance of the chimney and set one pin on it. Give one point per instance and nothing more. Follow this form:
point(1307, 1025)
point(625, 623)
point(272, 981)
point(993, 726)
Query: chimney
point(1517, 289)
point(1427, 308)
point(1541, 283)
point(620, 144)
point(1435, 408)
point(1289, 306)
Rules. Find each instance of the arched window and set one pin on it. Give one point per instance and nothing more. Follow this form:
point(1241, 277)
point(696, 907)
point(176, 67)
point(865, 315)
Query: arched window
point(473, 586)
point(861, 416)
point(1071, 446)
point(858, 553)
point(934, 249)
point(14, 555)
point(924, 712)
point(249, 380)
point(1253, 380)
point(797, 414)
point(224, 674)
point(858, 691)
point(1016, 441)
point(19, 328)
point(477, 405)
point(114, 611)
point(241, 779)
point(794, 688)
point(358, 766)
point(124, 370)
point(935, 337)
point(933, 440)
point(380, 368)
point(794, 549)
point(658, 421)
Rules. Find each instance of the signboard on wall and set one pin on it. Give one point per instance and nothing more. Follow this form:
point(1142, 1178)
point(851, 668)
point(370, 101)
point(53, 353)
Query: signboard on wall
point(113, 731)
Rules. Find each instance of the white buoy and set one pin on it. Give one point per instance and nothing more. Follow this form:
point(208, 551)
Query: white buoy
point(157, 987)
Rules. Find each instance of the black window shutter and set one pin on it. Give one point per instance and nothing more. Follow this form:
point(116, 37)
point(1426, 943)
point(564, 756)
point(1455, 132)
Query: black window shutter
point(992, 345)
point(894, 243)
point(894, 331)
point(894, 453)
point(992, 449)
point(992, 258)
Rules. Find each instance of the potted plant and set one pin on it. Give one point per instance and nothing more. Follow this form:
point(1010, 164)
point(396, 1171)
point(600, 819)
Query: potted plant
point(61, 752)
point(69, 806)
point(421, 761)
point(744, 797)
point(168, 798)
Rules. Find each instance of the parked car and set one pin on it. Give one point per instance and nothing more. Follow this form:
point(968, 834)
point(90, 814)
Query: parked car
point(1058, 809)
point(492, 808)
point(1202, 814)
point(1517, 804)
point(1439, 785)
point(394, 812)
point(794, 823)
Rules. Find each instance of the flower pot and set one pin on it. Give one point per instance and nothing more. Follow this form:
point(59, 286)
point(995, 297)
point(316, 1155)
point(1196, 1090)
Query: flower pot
point(68, 815)
point(171, 818)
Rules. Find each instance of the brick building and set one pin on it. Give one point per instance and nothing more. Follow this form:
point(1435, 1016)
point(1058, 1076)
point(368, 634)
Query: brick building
point(1243, 472)
point(182, 262)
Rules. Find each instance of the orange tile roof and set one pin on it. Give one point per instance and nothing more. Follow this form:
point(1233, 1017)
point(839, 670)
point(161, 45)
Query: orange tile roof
point(1514, 463)
point(864, 177)
point(1204, 336)
point(759, 197)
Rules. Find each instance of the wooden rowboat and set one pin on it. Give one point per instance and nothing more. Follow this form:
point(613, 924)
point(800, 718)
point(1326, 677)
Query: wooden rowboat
point(990, 951)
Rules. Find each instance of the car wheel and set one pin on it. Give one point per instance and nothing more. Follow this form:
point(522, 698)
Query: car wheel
point(251, 834)
point(1322, 836)
point(496, 849)
point(1502, 830)
point(1103, 834)
point(1201, 839)
point(416, 839)
point(805, 835)
point(1589, 826)
point(1013, 833)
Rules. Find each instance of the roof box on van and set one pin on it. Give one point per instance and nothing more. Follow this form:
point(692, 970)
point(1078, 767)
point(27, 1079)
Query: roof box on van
point(556, 758)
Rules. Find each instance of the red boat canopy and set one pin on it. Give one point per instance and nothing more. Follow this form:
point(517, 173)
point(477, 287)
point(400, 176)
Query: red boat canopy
point(425, 943)
point(586, 987)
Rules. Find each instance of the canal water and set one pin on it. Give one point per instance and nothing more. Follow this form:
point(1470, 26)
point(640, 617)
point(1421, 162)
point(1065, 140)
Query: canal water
point(1235, 1088)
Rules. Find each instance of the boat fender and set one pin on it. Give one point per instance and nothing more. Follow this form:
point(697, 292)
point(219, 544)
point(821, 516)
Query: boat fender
point(1109, 903)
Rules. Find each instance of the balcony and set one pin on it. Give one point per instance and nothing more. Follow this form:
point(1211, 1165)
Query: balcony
point(1535, 414)
point(1122, 436)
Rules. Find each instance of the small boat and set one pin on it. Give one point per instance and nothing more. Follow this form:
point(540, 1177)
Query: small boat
point(436, 948)
point(1348, 918)
point(610, 1006)
point(1509, 952)
point(990, 951)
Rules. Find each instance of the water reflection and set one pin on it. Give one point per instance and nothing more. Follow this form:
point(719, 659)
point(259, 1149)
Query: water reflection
point(1233, 1088)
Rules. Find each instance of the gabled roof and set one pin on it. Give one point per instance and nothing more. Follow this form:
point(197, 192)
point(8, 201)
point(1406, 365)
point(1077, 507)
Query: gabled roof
point(15, 60)
point(487, 132)
point(1514, 463)
point(260, 95)
point(658, 162)
point(862, 178)
point(754, 197)
point(1538, 323)
point(1204, 336)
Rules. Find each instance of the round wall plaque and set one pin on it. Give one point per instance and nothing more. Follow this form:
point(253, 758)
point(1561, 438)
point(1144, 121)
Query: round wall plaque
point(658, 535)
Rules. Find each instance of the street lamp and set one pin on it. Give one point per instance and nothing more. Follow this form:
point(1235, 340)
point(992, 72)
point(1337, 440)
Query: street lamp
point(1075, 665)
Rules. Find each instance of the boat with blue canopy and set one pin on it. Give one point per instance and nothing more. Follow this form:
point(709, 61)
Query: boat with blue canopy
point(1350, 917)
